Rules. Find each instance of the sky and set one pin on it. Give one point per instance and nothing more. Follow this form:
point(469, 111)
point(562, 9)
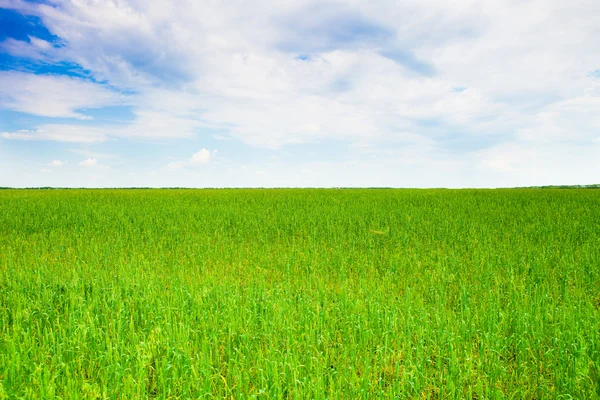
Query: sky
point(233, 93)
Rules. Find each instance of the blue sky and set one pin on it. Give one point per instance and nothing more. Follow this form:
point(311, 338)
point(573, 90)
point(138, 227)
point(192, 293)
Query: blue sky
point(299, 93)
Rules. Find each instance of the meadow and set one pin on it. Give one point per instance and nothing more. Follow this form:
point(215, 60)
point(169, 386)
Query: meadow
point(300, 294)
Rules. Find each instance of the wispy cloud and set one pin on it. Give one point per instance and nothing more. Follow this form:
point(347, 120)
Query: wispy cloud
point(407, 59)
point(92, 154)
point(324, 27)
point(357, 75)
point(60, 133)
point(53, 96)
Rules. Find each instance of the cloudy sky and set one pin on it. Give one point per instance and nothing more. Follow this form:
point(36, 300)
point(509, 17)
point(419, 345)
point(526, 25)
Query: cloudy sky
point(219, 93)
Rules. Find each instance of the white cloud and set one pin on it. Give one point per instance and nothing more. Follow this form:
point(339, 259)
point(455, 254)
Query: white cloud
point(51, 95)
point(93, 163)
point(92, 154)
point(198, 159)
point(272, 75)
point(148, 125)
point(575, 119)
point(61, 133)
point(89, 163)
point(56, 163)
point(230, 71)
point(36, 49)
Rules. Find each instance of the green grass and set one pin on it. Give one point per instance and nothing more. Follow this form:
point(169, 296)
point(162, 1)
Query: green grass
point(300, 294)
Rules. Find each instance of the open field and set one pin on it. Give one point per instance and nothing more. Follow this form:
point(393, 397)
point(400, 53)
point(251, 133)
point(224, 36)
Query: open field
point(300, 293)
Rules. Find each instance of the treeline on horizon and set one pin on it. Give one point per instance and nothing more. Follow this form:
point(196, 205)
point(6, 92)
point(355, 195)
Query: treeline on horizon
point(592, 186)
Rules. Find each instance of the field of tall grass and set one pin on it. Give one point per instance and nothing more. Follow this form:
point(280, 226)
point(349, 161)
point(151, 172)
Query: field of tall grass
point(297, 293)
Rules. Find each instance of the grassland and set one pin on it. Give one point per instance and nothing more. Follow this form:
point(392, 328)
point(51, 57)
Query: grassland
point(300, 294)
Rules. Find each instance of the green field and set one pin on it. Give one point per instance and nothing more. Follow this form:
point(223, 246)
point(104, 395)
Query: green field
point(291, 293)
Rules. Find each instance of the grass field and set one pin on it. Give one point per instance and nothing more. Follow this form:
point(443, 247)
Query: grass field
point(300, 294)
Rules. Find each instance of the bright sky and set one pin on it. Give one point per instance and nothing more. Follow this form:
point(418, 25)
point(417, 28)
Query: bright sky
point(220, 93)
